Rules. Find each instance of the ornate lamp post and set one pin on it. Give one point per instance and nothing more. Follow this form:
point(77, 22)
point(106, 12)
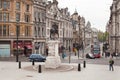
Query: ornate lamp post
point(84, 62)
point(36, 42)
point(63, 48)
point(17, 35)
point(79, 36)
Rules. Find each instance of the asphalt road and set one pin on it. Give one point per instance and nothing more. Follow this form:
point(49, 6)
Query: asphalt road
point(102, 61)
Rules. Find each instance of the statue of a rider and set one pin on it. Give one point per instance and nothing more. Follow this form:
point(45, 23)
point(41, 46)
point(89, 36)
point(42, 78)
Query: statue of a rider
point(54, 32)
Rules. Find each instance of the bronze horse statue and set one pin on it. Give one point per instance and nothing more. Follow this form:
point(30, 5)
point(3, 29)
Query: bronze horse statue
point(54, 33)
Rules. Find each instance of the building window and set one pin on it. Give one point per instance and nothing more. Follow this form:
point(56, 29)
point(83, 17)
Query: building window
point(48, 31)
point(17, 17)
point(4, 30)
point(27, 31)
point(42, 31)
point(17, 5)
point(35, 32)
point(35, 19)
point(17, 30)
point(8, 5)
point(39, 17)
point(27, 18)
point(5, 4)
point(27, 7)
point(5, 16)
point(0, 16)
point(35, 16)
point(8, 30)
point(39, 31)
point(43, 17)
point(60, 33)
point(0, 30)
point(0, 3)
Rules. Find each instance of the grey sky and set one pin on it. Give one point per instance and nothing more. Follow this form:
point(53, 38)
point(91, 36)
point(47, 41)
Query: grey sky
point(95, 11)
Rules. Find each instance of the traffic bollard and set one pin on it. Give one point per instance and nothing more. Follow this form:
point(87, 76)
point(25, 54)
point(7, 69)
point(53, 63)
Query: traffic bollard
point(19, 64)
point(33, 62)
point(84, 64)
point(39, 69)
point(79, 67)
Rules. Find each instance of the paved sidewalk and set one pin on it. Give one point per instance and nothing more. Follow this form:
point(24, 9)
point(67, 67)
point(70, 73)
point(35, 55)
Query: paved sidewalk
point(10, 71)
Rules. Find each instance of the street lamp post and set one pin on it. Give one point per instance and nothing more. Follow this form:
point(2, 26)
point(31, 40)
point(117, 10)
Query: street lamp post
point(63, 48)
point(84, 45)
point(84, 62)
point(36, 42)
point(17, 34)
point(63, 36)
point(117, 25)
point(79, 36)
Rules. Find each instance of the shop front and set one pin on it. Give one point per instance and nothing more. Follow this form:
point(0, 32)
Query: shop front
point(20, 48)
point(27, 48)
point(4, 50)
point(24, 48)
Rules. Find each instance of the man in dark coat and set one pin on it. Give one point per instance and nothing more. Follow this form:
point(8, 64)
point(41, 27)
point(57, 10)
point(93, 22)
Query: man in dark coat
point(111, 62)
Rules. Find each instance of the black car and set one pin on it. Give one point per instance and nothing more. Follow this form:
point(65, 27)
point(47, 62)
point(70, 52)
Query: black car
point(37, 58)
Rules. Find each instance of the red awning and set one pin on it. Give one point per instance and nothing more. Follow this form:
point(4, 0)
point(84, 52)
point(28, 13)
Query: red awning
point(20, 45)
point(28, 44)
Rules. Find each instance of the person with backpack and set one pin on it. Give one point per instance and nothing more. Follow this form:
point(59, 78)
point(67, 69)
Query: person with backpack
point(111, 62)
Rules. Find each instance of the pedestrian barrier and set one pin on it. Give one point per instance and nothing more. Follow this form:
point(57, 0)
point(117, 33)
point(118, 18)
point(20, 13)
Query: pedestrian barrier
point(33, 62)
point(79, 67)
point(39, 69)
point(19, 64)
point(84, 64)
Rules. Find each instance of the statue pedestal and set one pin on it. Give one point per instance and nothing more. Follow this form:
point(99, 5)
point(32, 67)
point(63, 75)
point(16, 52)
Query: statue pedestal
point(52, 62)
point(53, 59)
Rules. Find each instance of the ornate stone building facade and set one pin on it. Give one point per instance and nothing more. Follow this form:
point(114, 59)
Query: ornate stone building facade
point(32, 21)
point(88, 34)
point(60, 19)
point(39, 20)
point(15, 18)
point(113, 27)
point(78, 29)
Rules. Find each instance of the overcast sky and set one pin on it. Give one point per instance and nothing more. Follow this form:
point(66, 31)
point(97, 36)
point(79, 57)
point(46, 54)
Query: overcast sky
point(95, 11)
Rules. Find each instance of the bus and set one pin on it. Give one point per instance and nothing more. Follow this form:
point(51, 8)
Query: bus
point(95, 50)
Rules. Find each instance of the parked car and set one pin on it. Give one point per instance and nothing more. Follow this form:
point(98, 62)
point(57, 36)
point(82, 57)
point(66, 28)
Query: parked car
point(90, 56)
point(37, 58)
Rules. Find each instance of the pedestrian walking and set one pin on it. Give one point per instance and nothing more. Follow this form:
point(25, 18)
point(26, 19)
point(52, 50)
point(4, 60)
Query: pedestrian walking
point(111, 62)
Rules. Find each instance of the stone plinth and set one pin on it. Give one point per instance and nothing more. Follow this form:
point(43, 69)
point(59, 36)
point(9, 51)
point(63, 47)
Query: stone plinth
point(52, 62)
point(53, 59)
